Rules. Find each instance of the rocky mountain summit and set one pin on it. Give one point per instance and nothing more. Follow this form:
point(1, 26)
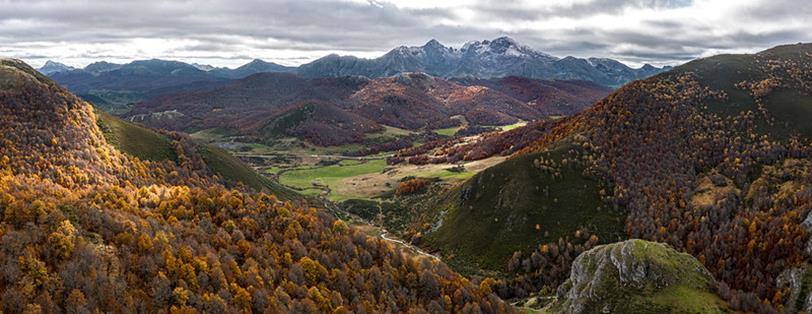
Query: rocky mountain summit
point(496, 58)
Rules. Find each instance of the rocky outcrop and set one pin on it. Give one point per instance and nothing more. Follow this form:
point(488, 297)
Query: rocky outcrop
point(796, 281)
point(637, 276)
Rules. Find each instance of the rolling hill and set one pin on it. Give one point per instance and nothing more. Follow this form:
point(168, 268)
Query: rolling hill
point(355, 106)
point(559, 97)
point(514, 206)
point(88, 228)
point(713, 158)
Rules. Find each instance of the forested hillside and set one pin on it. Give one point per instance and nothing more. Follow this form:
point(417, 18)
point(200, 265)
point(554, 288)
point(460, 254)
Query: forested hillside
point(713, 158)
point(86, 227)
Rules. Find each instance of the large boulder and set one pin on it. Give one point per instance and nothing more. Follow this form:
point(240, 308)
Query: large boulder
point(637, 276)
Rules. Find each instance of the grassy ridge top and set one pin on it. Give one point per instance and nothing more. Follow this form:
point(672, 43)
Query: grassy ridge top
point(135, 140)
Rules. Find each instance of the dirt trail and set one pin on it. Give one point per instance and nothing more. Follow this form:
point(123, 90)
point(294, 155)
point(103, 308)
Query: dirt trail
point(412, 248)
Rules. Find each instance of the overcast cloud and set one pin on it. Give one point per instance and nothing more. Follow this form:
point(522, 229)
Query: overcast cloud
point(291, 32)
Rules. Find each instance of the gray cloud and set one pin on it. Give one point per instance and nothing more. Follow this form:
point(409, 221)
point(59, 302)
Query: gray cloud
point(225, 32)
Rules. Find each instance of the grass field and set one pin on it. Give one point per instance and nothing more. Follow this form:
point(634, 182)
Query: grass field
point(448, 131)
point(453, 130)
point(511, 126)
point(309, 179)
point(209, 135)
point(389, 132)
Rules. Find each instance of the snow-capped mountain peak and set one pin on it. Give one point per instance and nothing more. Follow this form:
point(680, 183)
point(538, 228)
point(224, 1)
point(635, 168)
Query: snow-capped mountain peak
point(203, 67)
point(503, 46)
point(499, 57)
point(433, 44)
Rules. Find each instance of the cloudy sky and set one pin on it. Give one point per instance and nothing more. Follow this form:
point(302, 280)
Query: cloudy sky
point(291, 32)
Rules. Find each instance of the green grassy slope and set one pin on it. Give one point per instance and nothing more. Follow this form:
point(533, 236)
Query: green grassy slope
point(150, 145)
point(135, 140)
point(496, 212)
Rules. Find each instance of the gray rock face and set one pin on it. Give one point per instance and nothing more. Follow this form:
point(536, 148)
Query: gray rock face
point(619, 277)
point(807, 224)
point(793, 280)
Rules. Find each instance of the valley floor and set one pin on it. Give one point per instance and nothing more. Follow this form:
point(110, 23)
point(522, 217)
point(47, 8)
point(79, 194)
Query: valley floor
point(330, 173)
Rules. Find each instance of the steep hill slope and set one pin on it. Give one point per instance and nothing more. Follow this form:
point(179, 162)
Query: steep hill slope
point(135, 140)
point(87, 228)
point(711, 158)
point(416, 100)
point(266, 106)
point(518, 204)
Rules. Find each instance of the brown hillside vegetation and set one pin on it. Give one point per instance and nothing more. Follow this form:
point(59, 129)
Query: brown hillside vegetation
point(85, 227)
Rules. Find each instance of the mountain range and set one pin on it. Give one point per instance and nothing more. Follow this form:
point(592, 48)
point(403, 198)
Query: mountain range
point(107, 199)
point(496, 58)
point(486, 59)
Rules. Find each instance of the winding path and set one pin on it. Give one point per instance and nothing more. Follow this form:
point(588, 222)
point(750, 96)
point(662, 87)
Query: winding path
point(407, 245)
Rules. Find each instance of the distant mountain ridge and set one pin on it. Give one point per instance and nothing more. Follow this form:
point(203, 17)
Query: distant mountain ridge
point(51, 67)
point(487, 59)
point(255, 66)
point(117, 87)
